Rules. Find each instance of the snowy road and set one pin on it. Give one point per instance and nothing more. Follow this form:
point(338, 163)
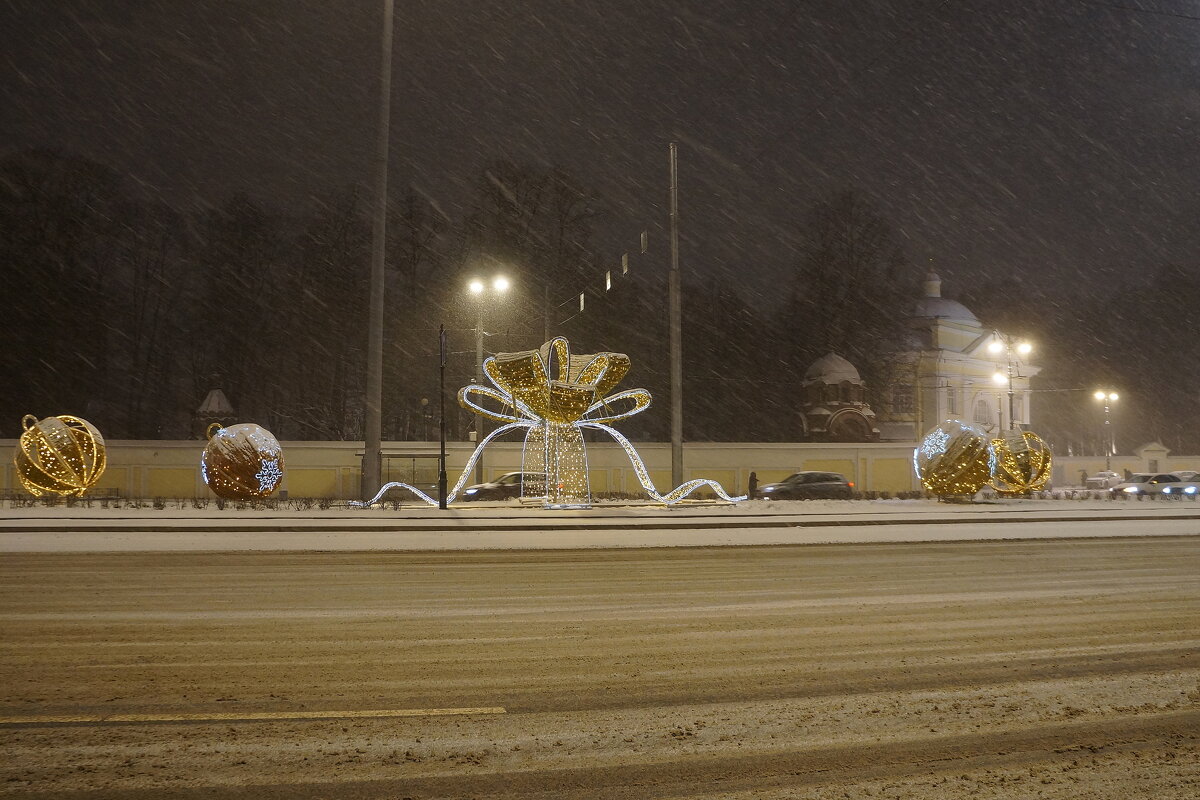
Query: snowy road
point(1056, 669)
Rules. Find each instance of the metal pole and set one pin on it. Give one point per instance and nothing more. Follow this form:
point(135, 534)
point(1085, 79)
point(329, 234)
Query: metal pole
point(1012, 416)
point(479, 382)
point(372, 445)
point(442, 416)
point(1108, 440)
point(676, 323)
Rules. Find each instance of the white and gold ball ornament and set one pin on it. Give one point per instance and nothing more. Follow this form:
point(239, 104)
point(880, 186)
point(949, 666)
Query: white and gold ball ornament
point(954, 459)
point(242, 462)
point(61, 455)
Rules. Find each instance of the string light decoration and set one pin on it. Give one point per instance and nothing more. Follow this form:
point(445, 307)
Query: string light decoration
point(554, 396)
point(241, 462)
point(955, 458)
point(1022, 463)
point(61, 455)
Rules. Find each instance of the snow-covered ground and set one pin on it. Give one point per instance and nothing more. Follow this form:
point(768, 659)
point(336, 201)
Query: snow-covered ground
point(512, 526)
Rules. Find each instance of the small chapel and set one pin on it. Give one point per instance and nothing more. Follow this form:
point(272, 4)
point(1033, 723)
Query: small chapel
point(833, 403)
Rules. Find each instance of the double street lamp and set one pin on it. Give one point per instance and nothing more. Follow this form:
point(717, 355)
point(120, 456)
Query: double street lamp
point(1108, 398)
point(1004, 344)
point(499, 285)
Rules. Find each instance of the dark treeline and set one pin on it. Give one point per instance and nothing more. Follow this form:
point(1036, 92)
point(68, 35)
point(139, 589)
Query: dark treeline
point(128, 312)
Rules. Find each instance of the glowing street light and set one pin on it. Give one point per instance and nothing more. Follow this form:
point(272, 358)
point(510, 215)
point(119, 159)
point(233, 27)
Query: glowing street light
point(1108, 398)
point(1002, 343)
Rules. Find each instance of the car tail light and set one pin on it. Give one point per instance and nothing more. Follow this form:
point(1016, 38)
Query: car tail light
point(850, 484)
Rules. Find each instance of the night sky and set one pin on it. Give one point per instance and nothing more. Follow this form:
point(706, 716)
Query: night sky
point(1056, 141)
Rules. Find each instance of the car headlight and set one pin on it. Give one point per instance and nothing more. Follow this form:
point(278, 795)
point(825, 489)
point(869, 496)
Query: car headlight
point(1131, 489)
point(471, 491)
point(1190, 490)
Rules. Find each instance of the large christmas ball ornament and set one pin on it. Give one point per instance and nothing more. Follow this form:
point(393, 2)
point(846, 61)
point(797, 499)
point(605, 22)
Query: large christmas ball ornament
point(955, 458)
point(59, 455)
point(1022, 463)
point(241, 462)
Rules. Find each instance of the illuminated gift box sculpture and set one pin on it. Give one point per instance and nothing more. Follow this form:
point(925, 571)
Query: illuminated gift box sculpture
point(555, 396)
point(62, 455)
point(241, 462)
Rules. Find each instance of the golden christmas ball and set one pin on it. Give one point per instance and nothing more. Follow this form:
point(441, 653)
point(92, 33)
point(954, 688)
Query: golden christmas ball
point(954, 458)
point(62, 455)
point(1022, 463)
point(241, 462)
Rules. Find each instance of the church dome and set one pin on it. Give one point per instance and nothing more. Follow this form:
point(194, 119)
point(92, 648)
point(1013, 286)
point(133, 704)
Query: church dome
point(831, 369)
point(934, 306)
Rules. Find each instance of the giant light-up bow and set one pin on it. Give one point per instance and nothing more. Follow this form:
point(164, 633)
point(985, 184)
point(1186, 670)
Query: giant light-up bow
point(555, 396)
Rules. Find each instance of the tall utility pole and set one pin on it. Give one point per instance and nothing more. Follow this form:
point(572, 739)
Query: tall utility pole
point(1108, 397)
point(372, 455)
point(442, 417)
point(479, 382)
point(1012, 399)
point(676, 317)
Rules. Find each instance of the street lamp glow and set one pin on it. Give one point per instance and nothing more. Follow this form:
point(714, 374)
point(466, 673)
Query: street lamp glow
point(1113, 396)
point(500, 283)
point(1024, 348)
point(1100, 395)
point(476, 286)
point(995, 346)
point(1000, 379)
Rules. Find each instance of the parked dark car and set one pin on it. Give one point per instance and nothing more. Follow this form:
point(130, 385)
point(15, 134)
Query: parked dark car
point(809, 486)
point(506, 487)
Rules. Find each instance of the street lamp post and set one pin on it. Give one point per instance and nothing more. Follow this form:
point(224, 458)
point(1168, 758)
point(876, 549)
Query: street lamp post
point(477, 287)
point(1108, 398)
point(1004, 343)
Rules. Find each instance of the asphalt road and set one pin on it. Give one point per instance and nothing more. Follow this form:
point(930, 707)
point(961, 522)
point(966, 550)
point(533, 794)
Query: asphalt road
point(1056, 669)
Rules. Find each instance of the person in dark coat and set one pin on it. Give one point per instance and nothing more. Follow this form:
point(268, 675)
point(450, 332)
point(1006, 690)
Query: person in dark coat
point(753, 486)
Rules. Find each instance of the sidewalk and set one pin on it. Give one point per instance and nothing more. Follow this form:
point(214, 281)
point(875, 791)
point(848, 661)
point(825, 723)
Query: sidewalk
point(508, 526)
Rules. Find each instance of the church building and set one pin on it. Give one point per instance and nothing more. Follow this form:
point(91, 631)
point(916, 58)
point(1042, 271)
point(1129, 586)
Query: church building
point(952, 367)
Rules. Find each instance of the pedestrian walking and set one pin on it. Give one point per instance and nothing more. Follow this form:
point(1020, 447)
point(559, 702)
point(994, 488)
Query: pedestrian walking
point(753, 486)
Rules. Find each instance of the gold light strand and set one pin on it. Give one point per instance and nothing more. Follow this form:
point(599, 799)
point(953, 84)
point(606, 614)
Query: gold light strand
point(1022, 464)
point(62, 455)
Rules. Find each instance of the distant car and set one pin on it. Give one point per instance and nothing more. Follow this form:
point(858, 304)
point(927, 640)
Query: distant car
point(1146, 483)
point(808, 486)
point(506, 487)
point(1103, 480)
